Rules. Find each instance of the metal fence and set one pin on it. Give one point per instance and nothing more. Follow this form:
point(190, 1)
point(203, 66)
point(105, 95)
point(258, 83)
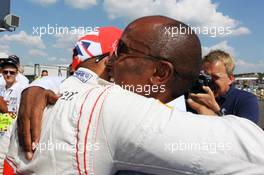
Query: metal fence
point(34, 71)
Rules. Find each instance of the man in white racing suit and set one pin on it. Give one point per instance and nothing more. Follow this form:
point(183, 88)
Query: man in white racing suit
point(100, 128)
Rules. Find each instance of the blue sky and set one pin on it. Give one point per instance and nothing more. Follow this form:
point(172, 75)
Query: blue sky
point(243, 18)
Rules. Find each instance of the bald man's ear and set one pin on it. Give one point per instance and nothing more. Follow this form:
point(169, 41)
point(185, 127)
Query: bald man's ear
point(163, 73)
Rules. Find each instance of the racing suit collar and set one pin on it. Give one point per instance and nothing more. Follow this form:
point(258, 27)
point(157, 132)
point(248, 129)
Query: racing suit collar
point(86, 75)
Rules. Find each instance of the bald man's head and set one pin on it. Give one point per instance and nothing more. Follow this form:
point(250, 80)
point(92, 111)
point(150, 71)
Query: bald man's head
point(155, 37)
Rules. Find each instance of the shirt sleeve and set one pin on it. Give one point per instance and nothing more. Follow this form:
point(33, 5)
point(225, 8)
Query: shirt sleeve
point(50, 83)
point(4, 145)
point(146, 136)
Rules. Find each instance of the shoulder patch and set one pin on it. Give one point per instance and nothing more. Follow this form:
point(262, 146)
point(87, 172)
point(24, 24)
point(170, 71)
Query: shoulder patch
point(83, 76)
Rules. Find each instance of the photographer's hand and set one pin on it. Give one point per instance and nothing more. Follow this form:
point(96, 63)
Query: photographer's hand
point(204, 103)
point(200, 108)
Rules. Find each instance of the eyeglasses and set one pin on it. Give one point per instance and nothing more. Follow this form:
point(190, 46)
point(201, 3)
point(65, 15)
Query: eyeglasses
point(97, 58)
point(123, 51)
point(100, 57)
point(5, 72)
point(122, 48)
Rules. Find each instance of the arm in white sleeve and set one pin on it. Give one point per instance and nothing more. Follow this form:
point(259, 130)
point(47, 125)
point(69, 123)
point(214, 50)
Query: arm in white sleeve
point(49, 83)
point(146, 136)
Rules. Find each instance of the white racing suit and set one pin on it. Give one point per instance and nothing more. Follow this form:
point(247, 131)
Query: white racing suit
point(95, 129)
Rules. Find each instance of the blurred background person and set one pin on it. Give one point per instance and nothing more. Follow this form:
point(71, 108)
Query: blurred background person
point(20, 77)
point(10, 94)
point(44, 73)
point(12, 89)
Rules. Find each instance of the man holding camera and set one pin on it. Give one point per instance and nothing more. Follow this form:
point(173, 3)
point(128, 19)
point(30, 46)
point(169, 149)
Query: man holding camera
point(222, 98)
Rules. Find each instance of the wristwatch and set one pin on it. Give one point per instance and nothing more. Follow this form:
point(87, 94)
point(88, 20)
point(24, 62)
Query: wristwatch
point(220, 113)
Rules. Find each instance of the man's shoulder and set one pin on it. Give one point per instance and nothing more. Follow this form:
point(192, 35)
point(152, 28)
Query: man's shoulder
point(241, 97)
point(17, 87)
point(238, 93)
point(22, 77)
point(2, 87)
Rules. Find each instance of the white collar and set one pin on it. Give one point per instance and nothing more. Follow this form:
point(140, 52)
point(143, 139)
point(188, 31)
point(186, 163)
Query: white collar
point(178, 103)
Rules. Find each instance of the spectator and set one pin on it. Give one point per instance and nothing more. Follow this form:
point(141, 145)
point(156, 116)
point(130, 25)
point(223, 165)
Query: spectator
point(12, 90)
point(9, 102)
point(224, 98)
point(20, 77)
point(44, 73)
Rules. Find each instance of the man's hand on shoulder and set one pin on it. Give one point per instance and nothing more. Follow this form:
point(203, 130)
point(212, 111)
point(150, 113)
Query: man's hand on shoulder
point(33, 102)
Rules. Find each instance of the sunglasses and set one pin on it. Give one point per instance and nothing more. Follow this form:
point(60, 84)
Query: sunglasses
point(123, 51)
point(100, 57)
point(5, 72)
point(97, 58)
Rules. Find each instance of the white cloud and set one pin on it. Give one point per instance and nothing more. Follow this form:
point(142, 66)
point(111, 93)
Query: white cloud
point(243, 66)
point(222, 46)
point(65, 41)
point(240, 31)
point(59, 60)
point(81, 4)
point(44, 2)
point(4, 50)
point(23, 38)
point(4, 47)
point(201, 13)
point(37, 53)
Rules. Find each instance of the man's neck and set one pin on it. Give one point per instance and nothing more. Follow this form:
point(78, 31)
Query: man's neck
point(165, 96)
point(8, 85)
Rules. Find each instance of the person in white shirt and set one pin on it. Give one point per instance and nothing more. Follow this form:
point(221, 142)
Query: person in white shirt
point(10, 94)
point(97, 128)
point(12, 89)
point(20, 77)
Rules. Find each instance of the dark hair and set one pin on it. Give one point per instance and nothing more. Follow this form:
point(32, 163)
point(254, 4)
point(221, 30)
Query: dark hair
point(44, 71)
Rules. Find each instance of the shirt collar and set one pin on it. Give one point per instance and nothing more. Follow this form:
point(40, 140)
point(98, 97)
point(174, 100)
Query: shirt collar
point(178, 103)
point(220, 100)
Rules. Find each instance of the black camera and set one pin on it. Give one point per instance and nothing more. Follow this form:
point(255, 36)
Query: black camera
point(203, 80)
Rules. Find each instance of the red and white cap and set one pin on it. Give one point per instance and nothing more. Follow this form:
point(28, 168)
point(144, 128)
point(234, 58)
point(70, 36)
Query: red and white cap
point(96, 43)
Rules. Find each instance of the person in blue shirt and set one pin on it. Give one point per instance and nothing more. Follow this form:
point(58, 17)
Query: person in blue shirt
point(223, 98)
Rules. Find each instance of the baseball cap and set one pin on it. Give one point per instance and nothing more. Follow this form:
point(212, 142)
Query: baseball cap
point(14, 57)
point(94, 44)
point(10, 61)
